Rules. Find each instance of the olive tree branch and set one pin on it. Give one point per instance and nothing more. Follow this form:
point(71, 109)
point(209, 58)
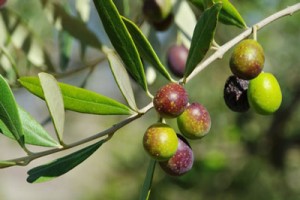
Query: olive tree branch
point(22, 161)
point(224, 48)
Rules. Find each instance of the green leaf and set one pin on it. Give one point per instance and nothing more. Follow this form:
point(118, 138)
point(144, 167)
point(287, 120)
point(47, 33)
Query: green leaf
point(62, 165)
point(229, 15)
point(55, 103)
point(145, 49)
point(198, 3)
point(145, 194)
point(65, 46)
point(121, 40)
point(203, 36)
point(9, 112)
point(34, 133)
point(79, 99)
point(122, 78)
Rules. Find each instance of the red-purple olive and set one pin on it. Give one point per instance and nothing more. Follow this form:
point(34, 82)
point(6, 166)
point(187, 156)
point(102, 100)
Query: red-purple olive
point(170, 100)
point(194, 122)
point(182, 161)
point(176, 59)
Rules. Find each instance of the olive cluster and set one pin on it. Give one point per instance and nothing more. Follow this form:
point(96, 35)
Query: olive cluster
point(249, 86)
point(162, 143)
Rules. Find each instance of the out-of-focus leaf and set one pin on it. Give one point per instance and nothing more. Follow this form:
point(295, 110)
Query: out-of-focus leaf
point(203, 35)
point(55, 103)
point(198, 3)
point(83, 7)
point(145, 49)
point(62, 165)
point(230, 15)
point(65, 46)
point(75, 27)
point(145, 194)
point(79, 99)
point(121, 40)
point(122, 78)
point(34, 133)
point(9, 112)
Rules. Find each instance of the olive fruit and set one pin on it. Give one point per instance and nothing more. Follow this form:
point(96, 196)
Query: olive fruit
point(176, 59)
point(247, 59)
point(170, 100)
point(235, 94)
point(156, 11)
point(182, 161)
point(194, 122)
point(264, 94)
point(164, 24)
point(160, 141)
point(2, 3)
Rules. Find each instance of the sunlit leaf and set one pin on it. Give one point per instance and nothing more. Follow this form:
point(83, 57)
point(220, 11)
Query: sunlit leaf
point(122, 78)
point(121, 40)
point(79, 99)
point(145, 49)
point(230, 15)
point(62, 165)
point(55, 103)
point(34, 133)
point(203, 36)
point(9, 112)
point(145, 194)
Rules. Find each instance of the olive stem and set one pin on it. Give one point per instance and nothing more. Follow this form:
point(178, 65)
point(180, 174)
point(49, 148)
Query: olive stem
point(224, 48)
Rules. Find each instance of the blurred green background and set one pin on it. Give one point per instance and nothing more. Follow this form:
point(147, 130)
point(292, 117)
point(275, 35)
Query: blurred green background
point(245, 156)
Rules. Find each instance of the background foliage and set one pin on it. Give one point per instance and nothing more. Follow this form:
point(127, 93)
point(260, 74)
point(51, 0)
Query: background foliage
point(245, 156)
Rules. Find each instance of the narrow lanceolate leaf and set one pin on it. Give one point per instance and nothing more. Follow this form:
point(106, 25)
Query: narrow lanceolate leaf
point(62, 165)
point(145, 49)
point(79, 99)
point(34, 133)
point(55, 103)
point(9, 114)
point(122, 78)
point(203, 36)
point(230, 15)
point(121, 40)
point(145, 194)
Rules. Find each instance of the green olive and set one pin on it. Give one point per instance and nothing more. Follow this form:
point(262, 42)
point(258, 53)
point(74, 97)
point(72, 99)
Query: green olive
point(264, 94)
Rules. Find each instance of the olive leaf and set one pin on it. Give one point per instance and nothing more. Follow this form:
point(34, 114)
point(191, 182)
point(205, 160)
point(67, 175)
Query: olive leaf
point(203, 36)
point(121, 40)
point(122, 79)
point(34, 133)
point(62, 165)
point(79, 99)
point(145, 48)
point(55, 103)
point(9, 114)
point(229, 15)
point(145, 194)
